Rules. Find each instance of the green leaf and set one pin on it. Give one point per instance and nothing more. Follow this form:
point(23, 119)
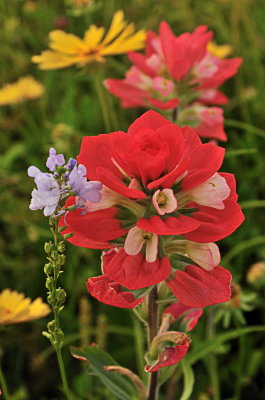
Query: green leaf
point(204, 348)
point(188, 382)
point(98, 359)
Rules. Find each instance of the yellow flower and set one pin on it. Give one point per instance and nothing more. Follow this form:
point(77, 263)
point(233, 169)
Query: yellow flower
point(68, 49)
point(26, 88)
point(15, 308)
point(219, 51)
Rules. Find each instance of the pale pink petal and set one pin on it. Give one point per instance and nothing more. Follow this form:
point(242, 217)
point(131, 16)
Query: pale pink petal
point(206, 255)
point(211, 193)
point(164, 201)
point(134, 241)
point(151, 248)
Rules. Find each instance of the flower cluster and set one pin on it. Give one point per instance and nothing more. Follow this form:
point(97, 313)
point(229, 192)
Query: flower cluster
point(63, 181)
point(68, 49)
point(179, 71)
point(162, 206)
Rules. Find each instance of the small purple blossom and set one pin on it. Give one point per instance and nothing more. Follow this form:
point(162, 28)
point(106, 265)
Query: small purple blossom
point(69, 180)
point(54, 160)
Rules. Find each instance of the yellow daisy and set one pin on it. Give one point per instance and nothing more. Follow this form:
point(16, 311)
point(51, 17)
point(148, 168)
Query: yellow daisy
point(221, 51)
point(15, 308)
point(68, 49)
point(26, 88)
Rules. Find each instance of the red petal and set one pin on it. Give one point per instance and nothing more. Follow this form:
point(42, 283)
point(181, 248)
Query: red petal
point(169, 226)
point(109, 292)
point(98, 226)
point(95, 152)
point(109, 179)
point(196, 287)
point(150, 119)
point(134, 272)
point(216, 224)
point(205, 161)
point(140, 61)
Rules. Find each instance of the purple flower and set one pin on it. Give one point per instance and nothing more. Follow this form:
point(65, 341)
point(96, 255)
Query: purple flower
point(84, 189)
point(54, 160)
point(48, 193)
point(68, 180)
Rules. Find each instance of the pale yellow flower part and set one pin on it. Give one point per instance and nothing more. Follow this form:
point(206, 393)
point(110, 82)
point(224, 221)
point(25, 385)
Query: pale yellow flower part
point(68, 49)
point(221, 51)
point(15, 308)
point(26, 88)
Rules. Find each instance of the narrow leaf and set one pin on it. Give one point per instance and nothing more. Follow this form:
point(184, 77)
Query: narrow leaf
point(98, 359)
point(188, 382)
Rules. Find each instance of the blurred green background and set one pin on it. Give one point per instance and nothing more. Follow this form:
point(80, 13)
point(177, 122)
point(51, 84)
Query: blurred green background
point(70, 109)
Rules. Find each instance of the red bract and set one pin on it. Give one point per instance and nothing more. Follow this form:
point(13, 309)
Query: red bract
point(177, 70)
point(189, 315)
point(159, 181)
point(109, 292)
point(195, 287)
point(169, 356)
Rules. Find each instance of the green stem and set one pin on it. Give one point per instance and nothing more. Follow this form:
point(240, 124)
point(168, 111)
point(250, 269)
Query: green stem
point(62, 372)
point(3, 386)
point(103, 103)
point(152, 332)
point(58, 342)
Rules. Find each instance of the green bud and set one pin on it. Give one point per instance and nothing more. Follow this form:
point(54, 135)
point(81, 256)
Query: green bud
point(61, 247)
point(48, 247)
point(62, 228)
point(51, 326)
point(49, 283)
point(54, 254)
point(48, 336)
point(61, 259)
point(68, 235)
point(48, 268)
point(60, 337)
point(49, 299)
point(60, 295)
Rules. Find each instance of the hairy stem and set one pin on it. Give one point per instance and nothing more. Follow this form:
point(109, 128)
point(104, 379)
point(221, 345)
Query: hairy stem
point(152, 332)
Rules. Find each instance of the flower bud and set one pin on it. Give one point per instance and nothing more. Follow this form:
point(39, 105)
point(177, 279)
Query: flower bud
point(60, 295)
point(51, 326)
point(61, 247)
point(48, 247)
point(49, 283)
point(48, 268)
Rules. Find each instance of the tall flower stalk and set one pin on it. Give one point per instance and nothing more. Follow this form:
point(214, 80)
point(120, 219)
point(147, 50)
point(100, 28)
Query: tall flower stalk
point(64, 180)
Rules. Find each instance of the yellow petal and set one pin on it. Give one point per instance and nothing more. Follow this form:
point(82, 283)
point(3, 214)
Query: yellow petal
point(15, 308)
point(93, 36)
point(123, 43)
point(221, 51)
point(117, 25)
point(52, 60)
point(66, 42)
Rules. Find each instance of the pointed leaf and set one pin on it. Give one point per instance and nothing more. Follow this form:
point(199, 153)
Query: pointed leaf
point(98, 359)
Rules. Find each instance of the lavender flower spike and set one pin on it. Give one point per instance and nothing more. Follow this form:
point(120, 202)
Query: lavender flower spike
point(65, 181)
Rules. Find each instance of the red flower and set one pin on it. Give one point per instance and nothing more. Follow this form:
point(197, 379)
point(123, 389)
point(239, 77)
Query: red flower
point(156, 184)
point(155, 79)
point(169, 356)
